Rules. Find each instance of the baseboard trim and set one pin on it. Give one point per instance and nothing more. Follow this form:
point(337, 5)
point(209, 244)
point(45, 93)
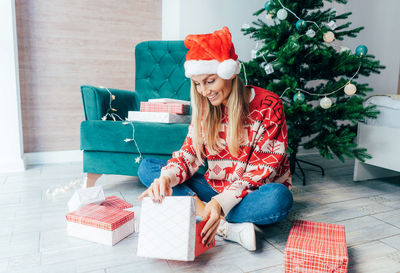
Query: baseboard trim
point(53, 157)
point(12, 166)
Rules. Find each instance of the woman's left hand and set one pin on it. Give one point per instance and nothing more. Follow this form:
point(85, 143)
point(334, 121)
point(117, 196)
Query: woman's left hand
point(212, 212)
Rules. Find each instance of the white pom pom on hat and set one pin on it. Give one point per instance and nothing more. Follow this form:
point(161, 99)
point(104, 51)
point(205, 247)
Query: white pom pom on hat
point(211, 53)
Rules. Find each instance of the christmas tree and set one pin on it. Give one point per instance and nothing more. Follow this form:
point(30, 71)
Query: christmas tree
point(298, 57)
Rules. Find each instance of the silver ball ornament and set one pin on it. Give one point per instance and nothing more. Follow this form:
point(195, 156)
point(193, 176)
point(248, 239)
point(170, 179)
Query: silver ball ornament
point(350, 89)
point(325, 103)
point(310, 33)
point(329, 37)
point(282, 14)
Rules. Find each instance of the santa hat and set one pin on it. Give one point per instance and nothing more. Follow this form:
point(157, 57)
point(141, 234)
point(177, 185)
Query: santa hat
point(211, 53)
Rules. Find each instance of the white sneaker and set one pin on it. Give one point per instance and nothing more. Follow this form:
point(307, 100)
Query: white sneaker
point(242, 233)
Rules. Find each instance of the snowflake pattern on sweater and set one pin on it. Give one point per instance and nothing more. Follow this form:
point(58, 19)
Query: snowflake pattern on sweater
point(262, 158)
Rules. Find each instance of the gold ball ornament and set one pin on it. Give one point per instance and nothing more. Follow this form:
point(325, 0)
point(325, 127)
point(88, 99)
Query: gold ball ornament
point(329, 37)
point(350, 89)
point(325, 103)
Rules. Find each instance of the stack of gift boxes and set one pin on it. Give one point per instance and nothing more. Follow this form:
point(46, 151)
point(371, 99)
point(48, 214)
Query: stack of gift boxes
point(98, 219)
point(163, 111)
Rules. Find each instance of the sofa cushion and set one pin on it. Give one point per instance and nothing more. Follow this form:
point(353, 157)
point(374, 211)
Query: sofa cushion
point(152, 138)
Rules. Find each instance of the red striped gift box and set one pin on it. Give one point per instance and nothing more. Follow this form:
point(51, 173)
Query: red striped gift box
point(107, 218)
point(115, 202)
point(316, 247)
point(174, 108)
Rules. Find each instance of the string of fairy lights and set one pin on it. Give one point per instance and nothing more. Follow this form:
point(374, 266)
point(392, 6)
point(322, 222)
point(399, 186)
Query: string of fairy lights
point(115, 117)
point(306, 27)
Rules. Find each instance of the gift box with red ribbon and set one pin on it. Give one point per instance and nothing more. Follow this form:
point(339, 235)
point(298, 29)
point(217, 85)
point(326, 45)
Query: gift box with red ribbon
point(316, 247)
point(174, 108)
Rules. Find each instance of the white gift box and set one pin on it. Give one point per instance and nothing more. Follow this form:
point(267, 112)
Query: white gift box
point(161, 117)
point(101, 224)
point(168, 230)
point(83, 197)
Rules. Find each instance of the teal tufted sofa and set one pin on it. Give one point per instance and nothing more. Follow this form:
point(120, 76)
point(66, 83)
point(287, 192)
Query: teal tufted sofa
point(159, 74)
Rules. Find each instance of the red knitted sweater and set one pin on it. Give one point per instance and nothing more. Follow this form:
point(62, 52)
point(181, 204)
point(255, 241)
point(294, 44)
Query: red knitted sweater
point(261, 160)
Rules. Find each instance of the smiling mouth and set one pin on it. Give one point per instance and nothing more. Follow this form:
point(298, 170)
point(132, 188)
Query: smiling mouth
point(212, 97)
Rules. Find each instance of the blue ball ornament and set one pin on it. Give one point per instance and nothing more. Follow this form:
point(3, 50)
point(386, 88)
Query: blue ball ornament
point(298, 97)
point(300, 24)
point(361, 50)
point(266, 6)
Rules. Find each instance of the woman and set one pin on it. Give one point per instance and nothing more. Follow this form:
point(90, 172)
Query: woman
point(241, 131)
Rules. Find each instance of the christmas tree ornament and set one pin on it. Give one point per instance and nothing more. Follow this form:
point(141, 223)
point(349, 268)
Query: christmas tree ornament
point(332, 25)
point(310, 33)
point(113, 97)
point(282, 14)
point(350, 89)
point(361, 50)
point(266, 6)
point(245, 26)
point(269, 69)
point(300, 24)
point(254, 53)
point(137, 159)
point(298, 97)
point(325, 103)
point(329, 37)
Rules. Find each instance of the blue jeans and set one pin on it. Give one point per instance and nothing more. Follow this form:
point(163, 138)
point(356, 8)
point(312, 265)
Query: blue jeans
point(269, 204)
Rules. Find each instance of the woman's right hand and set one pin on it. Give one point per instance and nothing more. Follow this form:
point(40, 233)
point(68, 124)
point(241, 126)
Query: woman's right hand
point(160, 188)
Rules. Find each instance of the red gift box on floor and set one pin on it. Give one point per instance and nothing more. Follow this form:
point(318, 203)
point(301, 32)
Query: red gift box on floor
point(175, 108)
point(115, 202)
point(316, 247)
point(101, 224)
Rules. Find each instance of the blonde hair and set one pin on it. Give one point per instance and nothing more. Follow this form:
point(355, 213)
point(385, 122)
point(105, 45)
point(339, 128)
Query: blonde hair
point(207, 118)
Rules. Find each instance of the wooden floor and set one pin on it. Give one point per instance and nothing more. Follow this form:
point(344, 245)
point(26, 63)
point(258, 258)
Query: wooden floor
point(33, 230)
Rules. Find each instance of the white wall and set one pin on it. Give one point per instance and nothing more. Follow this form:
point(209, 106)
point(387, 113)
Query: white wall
point(10, 113)
point(382, 37)
point(380, 19)
point(183, 17)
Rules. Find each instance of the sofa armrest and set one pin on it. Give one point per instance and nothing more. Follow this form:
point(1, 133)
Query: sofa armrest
point(96, 102)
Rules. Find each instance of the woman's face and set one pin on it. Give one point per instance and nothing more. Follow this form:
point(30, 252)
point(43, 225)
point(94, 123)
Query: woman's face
point(213, 87)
